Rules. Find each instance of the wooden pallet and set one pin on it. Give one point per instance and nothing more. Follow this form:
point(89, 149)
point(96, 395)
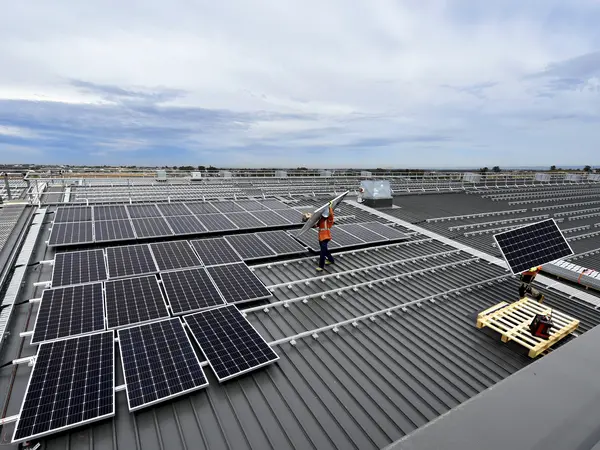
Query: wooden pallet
point(512, 321)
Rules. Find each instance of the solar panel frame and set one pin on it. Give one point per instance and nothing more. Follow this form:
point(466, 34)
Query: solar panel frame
point(273, 239)
point(174, 255)
point(200, 208)
point(516, 269)
point(102, 366)
point(192, 322)
point(249, 246)
point(379, 228)
point(228, 279)
point(291, 215)
point(185, 225)
point(72, 229)
point(251, 205)
point(98, 257)
point(228, 207)
point(173, 209)
point(122, 333)
point(362, 233)
point(149, 227)
point(143, 211)
point(45, 313)
point(224, 255)
point(110, 212)
point(345, 239)
point(134, 303)
point(245, 220)
point(198, 278)
point(113, 252)
point(72, 214)
point(273, 204)
point(113, 230)
point(216, 222)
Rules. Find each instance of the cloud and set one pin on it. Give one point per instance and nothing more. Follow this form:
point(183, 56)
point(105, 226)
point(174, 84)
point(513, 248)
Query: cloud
point(302, 83)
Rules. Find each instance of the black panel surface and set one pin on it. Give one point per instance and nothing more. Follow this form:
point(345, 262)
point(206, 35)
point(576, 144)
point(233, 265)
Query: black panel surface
point(291, 215)
point(217, 222)
point(273, 204)
point(110, 212)
point(229, 342)
point(71, 233)
point(72, 383)
point(281, 242)
point(533, 245)
point(151, 227)
point(69, 214)
point(245, 220)
point(251, 205)
point(228, 207)
point(215, 251)
point(384, 230)
point(185, 224)
point(249, 246)
point(113, 230)
point(202, 208)
point(129, 260)
point(134, 300)
point(271, 218)
point(159, 363)
point(344, 239)
point(190, 290)
point(362, 232)
point(173, 209)
point(238, 283)
point(141, 211)
point(174, 255)
point(78, 267)
point(69, 311)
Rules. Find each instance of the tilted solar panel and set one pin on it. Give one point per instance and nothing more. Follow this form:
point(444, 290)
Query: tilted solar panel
point(130, 260)
point(174, 255)
point(238, 283)
point(78, 267)
point(190, 290)
point(215, 251)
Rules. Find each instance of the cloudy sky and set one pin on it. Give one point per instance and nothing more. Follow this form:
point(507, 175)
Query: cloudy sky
point(379, 83)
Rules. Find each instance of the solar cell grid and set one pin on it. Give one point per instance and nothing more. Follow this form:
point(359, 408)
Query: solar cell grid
point(361, 232)
point(245, 220)
point(141, 211)
point(532, 245)
point(174, 255)
point(185, 225)
point(229, 342)
point(237, 283)
point(202, 208)
point(72, 383)
point(281, 242)
point(343, 239)
point(113, 230)
point(384, 230)
point(274, 204)
point(249, 246)
point(110, 212)
point(271, 218)
point(151, 227)
point(190, 290)
point(69, 311)
point(129, 260)
point(71, 234)
point(216, 222)
point(291, 215)
point(78, 267)
point(173, 209)
point(134, 300)
point(215, 251)
point(228, 207)
point(71, 214)
point(159, 363)
point(251, 205)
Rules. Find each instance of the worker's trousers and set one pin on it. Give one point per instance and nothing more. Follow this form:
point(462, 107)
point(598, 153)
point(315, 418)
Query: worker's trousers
point(324, 253)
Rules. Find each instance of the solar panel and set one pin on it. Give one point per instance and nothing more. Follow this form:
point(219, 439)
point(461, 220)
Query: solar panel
point(230, 343)
point(134, 300)
point(173, 209)
point(110, 212)
point(129, 260)
point(174, 255)
point(245, 220)
point(71, 233)
point(185, 224)
point(202, 208)
point(72, 383)
point(250, 246)
point(384, 230)
point(215, 251)
point(228, 207)
point(151, 227)
point(238, 283)
point(532, 245)
point(113, 230)
point(361, 232)
point(78, 267)
point(216, 222)
point(69, 311)
point(281, 242)
point(251, 205)
point(271, 218)
point(72, 214)
point(343, 239)
point(274, 204)
point(291, 215)
point(159, 363)
point(190, 290)
point(141, 211)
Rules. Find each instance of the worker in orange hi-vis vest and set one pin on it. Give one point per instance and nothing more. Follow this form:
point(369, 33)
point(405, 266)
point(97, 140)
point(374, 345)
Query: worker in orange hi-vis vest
point(324, 225)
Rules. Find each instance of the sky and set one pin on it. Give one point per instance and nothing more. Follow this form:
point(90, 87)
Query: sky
point(314, 83)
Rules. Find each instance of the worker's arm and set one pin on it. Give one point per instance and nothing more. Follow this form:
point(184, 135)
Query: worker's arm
point(330, 218)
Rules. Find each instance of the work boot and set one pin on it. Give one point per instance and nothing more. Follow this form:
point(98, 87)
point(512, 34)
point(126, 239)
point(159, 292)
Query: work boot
point(328, 263)
point(319, 269)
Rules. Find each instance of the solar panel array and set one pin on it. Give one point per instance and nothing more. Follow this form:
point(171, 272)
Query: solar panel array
point(532, 245)
point(238, 283)
point(215, 251)
point(74, 225)
point(190, 290)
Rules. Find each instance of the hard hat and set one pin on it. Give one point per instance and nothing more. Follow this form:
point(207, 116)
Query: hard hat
point(535, 269)
point(325, 213)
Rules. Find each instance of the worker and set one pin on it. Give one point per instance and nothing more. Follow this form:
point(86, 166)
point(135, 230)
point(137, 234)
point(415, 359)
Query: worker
point(324, 225)
point(526, 287)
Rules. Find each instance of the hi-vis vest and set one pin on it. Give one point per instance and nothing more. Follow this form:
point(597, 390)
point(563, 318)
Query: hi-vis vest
point(325, 225)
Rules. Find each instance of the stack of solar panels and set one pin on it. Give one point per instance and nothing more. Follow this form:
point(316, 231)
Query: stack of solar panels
point(351, 235)
point(77, 225)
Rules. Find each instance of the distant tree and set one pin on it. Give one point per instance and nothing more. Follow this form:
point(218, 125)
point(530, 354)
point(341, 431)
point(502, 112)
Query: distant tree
point(496, 169)
point(201, 168)
point(484, 170)
point(552, 167)
point(587, 168)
